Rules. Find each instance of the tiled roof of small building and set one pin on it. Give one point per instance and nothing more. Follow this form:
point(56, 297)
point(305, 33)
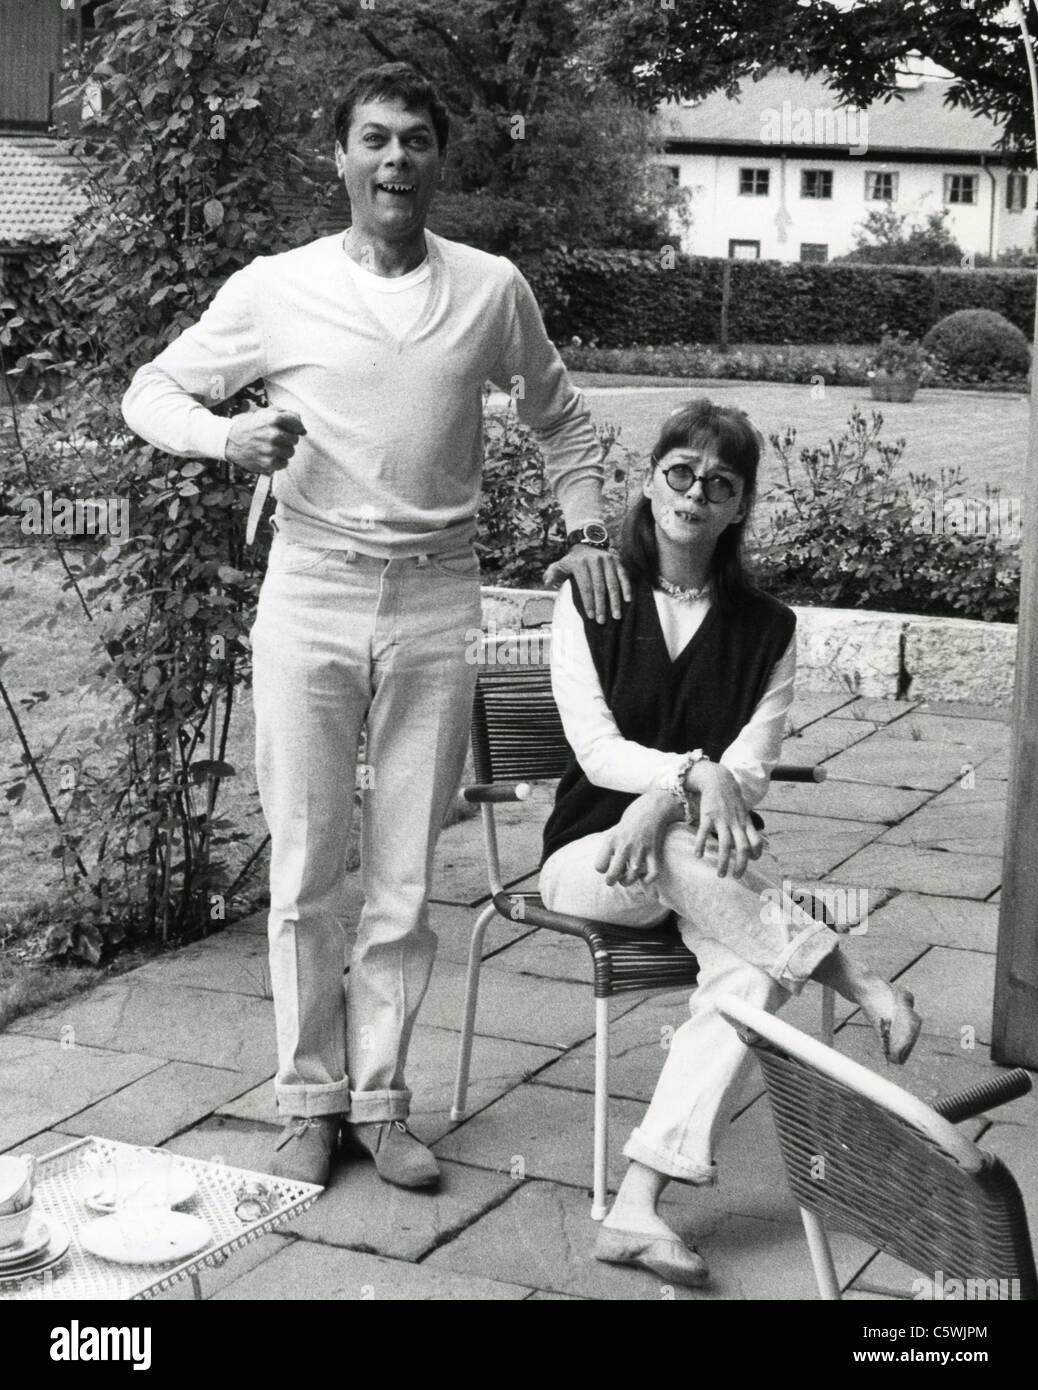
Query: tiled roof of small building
point(38, 190)
point(918, 121)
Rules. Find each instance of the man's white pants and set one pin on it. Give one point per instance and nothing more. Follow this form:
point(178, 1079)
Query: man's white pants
point(344, 641)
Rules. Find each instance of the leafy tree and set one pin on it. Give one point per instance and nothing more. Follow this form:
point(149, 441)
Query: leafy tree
point(691, 50)
point(887, 237)
point(544, 151)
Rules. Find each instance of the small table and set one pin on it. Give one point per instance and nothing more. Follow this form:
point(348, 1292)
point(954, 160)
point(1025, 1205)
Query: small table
point(81, 1275)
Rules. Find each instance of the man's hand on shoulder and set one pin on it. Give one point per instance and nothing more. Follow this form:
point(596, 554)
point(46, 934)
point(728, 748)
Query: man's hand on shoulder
point(262, 441)
point(600, 577)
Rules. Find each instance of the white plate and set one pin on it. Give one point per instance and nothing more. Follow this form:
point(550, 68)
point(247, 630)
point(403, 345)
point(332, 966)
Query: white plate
point(145, 1238)
point(53, 1252)
point(169, 1189)
point(37, 1235)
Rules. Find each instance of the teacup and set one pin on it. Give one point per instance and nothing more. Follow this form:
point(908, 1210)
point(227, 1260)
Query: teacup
point(15, 1183)
point(13, 1225)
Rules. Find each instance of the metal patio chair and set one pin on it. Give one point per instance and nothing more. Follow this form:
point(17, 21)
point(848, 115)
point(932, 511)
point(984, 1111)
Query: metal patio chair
point(865, 1157)
point(517, 737)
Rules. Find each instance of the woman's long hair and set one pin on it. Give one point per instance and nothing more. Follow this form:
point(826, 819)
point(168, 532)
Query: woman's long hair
point(728, 432)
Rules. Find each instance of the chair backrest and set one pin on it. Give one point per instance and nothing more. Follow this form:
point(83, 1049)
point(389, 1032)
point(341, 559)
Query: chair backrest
point(872, 1160)
point(516, 729)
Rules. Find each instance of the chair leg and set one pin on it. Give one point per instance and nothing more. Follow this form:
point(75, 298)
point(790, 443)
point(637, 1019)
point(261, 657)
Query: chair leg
point(461, 1082)
point(821, 1256)
point(599, 1204)
point(828, 1015)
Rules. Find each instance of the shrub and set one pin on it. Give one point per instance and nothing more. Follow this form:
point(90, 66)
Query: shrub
point(979, 345)
point(845, 532)
point(521, 529)
point(623, 298)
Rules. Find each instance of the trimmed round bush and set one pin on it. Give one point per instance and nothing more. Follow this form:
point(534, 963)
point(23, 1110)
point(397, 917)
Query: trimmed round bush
point(979, 345)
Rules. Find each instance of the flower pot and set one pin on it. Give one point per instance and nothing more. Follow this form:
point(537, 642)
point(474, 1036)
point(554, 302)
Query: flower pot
point(889, 387)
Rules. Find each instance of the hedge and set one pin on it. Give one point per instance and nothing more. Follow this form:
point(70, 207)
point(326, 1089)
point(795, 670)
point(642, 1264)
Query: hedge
point(623, 298)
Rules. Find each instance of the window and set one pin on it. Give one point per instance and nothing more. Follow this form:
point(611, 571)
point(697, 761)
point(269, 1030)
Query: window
point(816, 183)
point(674, 171)
point(814, 251)
point(744, 250)
point(1016, 192)
point(880, 187)
point(960, 188)
point(754, 183)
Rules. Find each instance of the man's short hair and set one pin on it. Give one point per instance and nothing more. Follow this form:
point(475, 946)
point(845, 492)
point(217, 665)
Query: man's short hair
point(392, 82)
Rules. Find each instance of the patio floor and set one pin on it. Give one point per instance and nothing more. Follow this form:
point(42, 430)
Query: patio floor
point(181, 1051)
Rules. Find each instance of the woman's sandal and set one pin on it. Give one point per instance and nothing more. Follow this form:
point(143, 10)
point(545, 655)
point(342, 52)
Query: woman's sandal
point(907, 1034)
point(671, 1259)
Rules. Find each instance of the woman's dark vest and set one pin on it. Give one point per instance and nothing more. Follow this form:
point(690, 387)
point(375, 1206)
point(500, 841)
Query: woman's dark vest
point(702, 699)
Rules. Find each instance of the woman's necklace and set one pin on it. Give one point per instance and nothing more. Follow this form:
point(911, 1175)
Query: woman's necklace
point(676, 591)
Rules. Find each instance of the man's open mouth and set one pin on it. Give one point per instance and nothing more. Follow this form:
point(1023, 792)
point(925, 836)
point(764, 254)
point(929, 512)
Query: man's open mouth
point(398, 190)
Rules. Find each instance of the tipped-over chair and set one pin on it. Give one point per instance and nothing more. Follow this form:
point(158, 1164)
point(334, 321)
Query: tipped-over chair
point(865, 1157)
point(517, 737)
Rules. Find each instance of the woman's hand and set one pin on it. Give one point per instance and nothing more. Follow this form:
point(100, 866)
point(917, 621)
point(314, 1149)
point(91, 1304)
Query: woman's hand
point(631, 850)
point(723, 811)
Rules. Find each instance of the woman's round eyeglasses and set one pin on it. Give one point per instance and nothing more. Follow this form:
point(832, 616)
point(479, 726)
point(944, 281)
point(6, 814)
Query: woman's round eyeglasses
point(716, 486)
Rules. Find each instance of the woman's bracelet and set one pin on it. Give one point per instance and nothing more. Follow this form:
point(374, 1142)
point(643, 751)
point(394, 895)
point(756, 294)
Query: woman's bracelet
point(674, 782)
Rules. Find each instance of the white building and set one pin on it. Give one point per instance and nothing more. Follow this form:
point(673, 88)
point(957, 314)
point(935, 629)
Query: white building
point(786, 173)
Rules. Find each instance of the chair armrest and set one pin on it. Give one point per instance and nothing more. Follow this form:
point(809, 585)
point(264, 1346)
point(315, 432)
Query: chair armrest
point(798, 772)
point(996, 1090)
point(497, 791)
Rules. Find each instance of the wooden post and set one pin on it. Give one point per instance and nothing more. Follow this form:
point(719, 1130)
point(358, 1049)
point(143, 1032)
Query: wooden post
point(1014, 1029)
point(726, 295)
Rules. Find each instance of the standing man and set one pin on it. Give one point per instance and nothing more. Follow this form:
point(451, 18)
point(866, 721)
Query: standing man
point(373, 347)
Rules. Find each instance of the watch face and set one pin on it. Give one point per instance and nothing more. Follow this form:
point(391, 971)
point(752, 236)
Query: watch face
point(595, 533)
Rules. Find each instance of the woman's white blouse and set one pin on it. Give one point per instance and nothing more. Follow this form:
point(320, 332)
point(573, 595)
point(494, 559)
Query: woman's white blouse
point(619, 764)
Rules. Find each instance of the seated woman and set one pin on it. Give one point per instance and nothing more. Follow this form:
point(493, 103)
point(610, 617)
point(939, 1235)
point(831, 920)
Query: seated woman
point(675, 714)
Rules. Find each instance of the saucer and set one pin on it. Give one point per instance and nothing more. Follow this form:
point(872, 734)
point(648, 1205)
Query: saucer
point(103, 1193)
point(173, 1235)
point(51, 1254)
point(36, 1236)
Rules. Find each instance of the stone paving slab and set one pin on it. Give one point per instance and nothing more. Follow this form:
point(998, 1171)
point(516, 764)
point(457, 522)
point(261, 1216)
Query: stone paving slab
point(255, 924)
point(858, 801)
point(835, 734)
point(960, 821)
point(543, 1132)
point(952, 997)
point(979, 734)
point(460, 873)
point(543, 1237)
point(917, 765)
point(230, 962)
point(42, 1082)
point(994, 768)
point(554, 1013)
point(221, 1139)
point(161, 1104)
point(305, 1270)
point(813, 846)
point(807, 752)
point(876, 711)
point(809, 706)
point(176, 1023)
point(1017, 1147)
point(362, 1212)
point(497, 1066)
point(453, 926)
point(964, 710)
point(44, 1143)
point(882, 865)
point(547, 953)
point(960, 922)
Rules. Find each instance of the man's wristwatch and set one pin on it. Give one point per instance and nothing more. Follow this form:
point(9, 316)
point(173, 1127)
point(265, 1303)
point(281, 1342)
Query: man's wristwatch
point(593, 533)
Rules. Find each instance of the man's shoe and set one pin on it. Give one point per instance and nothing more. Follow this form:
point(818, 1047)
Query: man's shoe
point(304, 1151)
point(671, 1259)
point(399, 1157)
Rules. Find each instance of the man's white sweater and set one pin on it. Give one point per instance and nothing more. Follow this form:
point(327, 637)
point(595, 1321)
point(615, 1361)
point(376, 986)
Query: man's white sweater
point(390, 464)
